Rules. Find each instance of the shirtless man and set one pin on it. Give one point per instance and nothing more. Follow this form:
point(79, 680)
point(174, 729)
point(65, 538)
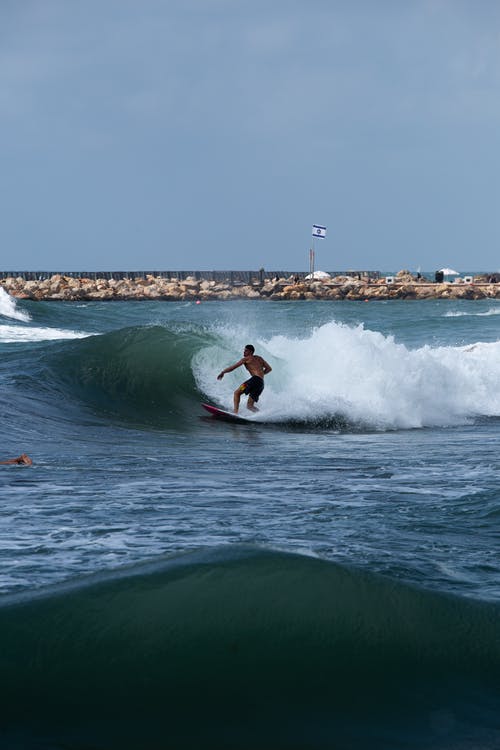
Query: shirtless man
point(257, 367)
point(22, 459)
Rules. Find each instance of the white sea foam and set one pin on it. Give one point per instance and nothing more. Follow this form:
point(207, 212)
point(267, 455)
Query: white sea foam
point(9, 309)
point(363, 376)
point(16, 333)
point(462, 314)
point(24, 334)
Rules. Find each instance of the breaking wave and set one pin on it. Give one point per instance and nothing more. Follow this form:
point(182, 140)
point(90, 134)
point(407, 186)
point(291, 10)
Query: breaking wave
point(337, 376)
point(10, 309)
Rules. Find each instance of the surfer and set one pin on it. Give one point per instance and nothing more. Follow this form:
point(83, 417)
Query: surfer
point(22, 459)
point(257, 367)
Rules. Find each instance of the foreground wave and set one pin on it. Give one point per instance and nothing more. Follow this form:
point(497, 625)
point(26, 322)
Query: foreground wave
point(245, 648)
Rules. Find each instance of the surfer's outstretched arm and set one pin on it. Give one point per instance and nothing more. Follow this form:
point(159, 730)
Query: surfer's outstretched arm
point(230, 369)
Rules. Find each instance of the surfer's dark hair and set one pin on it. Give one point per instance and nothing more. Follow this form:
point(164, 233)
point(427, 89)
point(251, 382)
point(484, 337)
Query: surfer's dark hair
point(249, 346)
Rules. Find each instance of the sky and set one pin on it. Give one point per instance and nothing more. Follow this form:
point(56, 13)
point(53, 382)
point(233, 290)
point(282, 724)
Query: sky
point(212, 134)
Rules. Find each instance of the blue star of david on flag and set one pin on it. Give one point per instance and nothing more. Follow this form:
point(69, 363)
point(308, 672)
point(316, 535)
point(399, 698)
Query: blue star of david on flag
point(318, 231)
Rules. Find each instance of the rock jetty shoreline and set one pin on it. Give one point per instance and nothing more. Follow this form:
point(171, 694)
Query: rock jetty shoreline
point(402, 286)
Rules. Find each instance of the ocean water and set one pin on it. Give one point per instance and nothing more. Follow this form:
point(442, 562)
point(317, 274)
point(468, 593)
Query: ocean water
point(327, 576)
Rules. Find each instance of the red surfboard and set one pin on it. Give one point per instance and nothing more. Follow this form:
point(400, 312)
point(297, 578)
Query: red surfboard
point(227, 416)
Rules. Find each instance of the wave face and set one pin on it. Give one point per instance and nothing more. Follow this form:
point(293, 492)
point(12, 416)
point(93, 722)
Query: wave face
point(243, 648)
point(142, 373)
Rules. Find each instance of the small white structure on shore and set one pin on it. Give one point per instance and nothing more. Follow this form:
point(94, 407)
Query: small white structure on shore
point(318, 275)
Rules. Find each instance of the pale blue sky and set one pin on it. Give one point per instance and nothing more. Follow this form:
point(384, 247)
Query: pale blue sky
point(212, 134)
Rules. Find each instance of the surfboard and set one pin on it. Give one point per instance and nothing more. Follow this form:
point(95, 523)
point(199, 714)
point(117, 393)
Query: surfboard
point(227, 416)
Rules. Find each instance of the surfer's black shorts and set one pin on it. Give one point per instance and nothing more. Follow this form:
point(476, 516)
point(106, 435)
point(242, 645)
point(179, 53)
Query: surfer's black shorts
point(253, 387)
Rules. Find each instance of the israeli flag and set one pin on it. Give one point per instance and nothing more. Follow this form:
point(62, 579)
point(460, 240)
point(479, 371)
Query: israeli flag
point(318, 231)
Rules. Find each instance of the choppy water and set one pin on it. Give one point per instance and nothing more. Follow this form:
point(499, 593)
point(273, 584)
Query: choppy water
point(326, 577)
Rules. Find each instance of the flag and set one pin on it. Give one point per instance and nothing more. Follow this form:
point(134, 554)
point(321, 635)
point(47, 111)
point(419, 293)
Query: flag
point(318, 231)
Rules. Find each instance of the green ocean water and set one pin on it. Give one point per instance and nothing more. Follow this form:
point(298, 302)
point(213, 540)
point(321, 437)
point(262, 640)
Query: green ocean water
point(327, 576)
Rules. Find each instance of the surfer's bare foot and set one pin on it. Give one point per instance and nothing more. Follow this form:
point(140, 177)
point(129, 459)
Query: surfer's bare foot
point(252, 408)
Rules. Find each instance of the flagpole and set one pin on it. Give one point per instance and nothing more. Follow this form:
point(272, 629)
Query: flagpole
point(317, 231)
point(311, 259)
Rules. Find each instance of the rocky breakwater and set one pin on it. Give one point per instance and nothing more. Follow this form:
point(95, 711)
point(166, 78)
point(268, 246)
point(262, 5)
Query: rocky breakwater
point(68, 288)
point(403, 286)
